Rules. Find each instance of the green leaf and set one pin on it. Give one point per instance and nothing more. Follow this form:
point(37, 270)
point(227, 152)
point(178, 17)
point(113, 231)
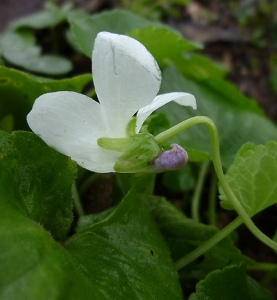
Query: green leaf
point(85, 29)
point(34, 266)
point(19, 90)
point(237, 118)
point(221, 255)
point(126, 255)
point(183, 235)
point(252, 177)
point(89, 220)
point(19, 49)
point(51, 16)
point(6, 123)
point(169, 48)
point(174, 224)
point(139, 183)
point(36, 181)
point(229, 284)
point(16, 40)
point(35, 192)
point(198, 67)
point(163, 44)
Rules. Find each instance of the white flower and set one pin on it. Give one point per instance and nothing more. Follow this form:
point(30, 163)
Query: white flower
point(126, 79)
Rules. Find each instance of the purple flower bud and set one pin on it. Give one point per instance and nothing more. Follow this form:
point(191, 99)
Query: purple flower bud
point(172, 159)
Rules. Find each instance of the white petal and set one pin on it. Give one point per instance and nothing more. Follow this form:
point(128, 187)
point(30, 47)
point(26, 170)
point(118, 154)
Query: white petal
point(71, 123)
point(126, 78)
point(184, 99)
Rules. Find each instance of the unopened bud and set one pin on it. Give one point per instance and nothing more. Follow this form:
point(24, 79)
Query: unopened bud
point(172, 159)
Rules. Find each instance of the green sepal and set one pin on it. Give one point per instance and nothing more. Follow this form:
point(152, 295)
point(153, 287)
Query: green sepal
point(119, 144)
point(115, 144)
point(139, 156)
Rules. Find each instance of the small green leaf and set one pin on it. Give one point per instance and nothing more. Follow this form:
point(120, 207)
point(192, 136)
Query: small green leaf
point(229, 284)
point(36, 181)
point(85, 29)
point(126, 255)
point(19, 90)
point(89, 220)
point(174, 224)
point(6, 123)
point(252, 177)
point(16, 41)
point(139, 183)
point(51, 16)
point(221, 255)
point(19, 49)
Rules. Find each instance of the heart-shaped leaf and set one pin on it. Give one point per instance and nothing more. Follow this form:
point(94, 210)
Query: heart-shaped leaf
point(252, 177)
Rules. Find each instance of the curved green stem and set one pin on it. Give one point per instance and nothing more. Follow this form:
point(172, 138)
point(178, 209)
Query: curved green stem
point(208, 244)
point(197, 192)
point(212, 200)
point(214, 143)
point(262, 267)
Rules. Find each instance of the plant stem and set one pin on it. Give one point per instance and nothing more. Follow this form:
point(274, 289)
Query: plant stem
point(77, 201)
point(262, 267)
point(271, 275)
point(208, 244)
point(212, 200)
point(197, 192)
point(214, 143)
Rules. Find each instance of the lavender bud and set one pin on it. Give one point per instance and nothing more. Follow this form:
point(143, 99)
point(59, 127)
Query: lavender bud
point(172, 159)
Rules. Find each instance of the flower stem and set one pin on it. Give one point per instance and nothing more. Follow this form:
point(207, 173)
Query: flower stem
point(214, 143)
point(197, 192)
point(212, 200)
point(208, 244)
point(77, 201)
point(263, 267)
